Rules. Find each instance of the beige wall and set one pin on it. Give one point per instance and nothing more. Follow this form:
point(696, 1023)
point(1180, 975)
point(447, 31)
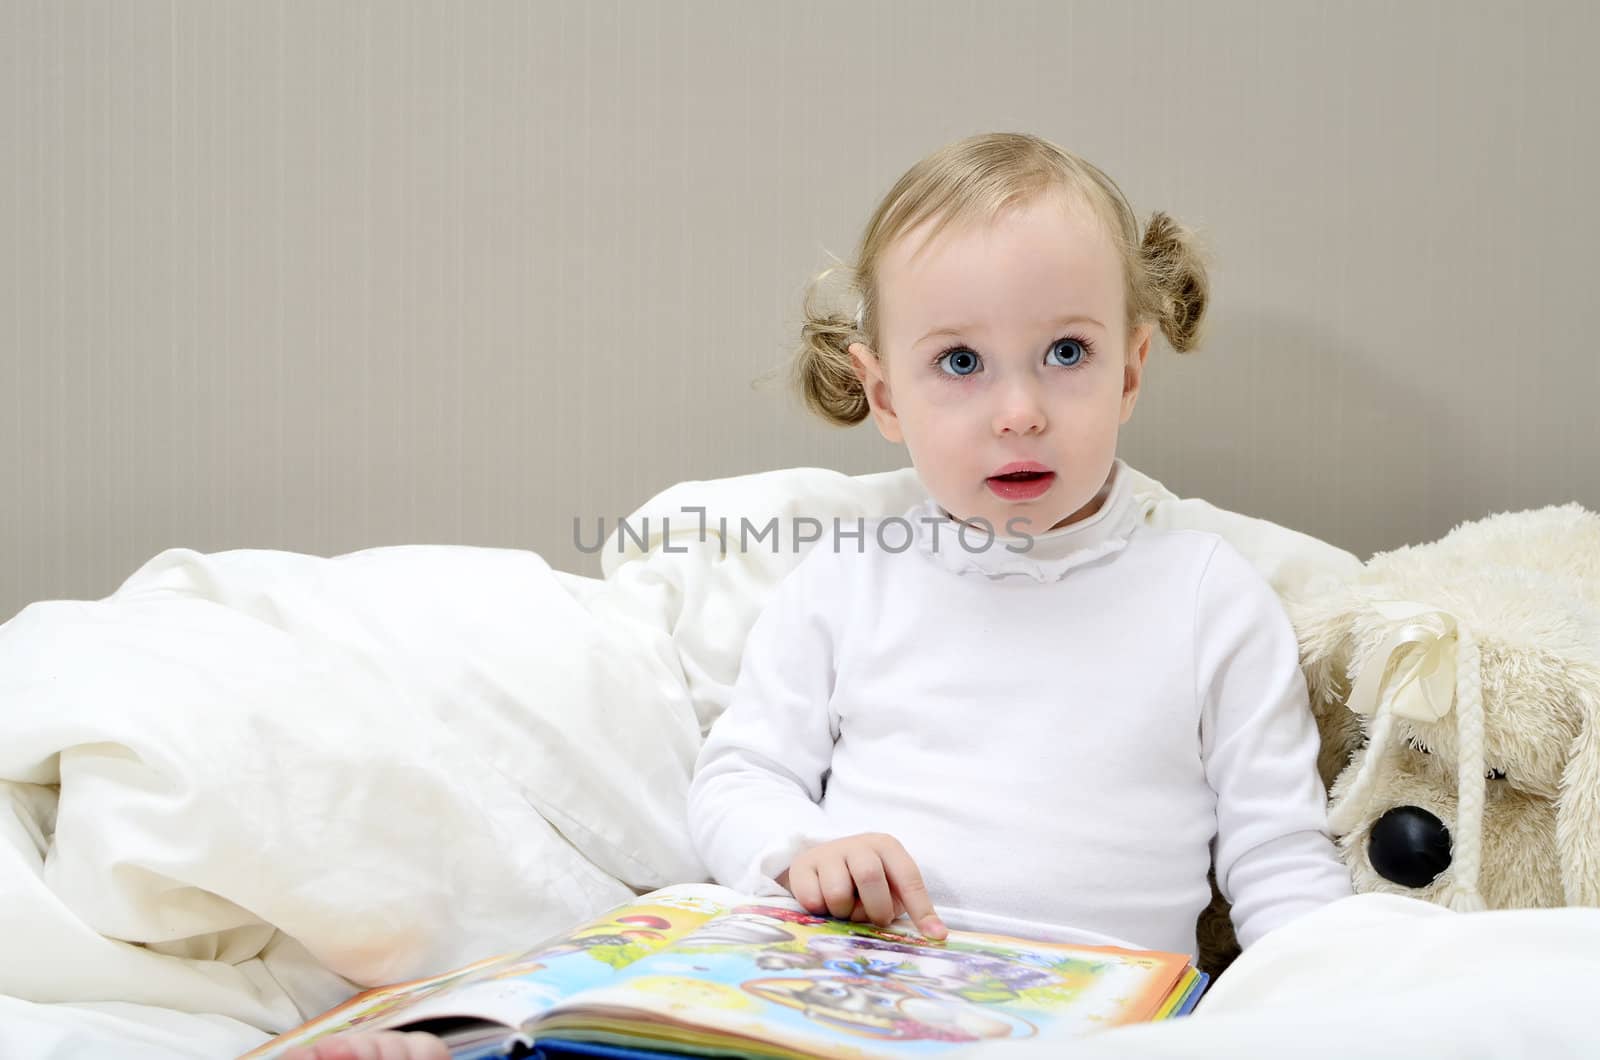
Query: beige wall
point(323, 276)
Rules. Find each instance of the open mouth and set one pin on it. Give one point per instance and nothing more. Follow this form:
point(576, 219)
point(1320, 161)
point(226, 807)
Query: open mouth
point(1020, 485)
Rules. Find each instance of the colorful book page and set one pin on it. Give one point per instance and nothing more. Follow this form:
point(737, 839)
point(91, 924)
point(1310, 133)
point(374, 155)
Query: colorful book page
point(515, 988)
point(767, 980)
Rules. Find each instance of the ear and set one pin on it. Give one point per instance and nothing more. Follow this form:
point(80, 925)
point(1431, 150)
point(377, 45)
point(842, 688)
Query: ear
point(1324, 624)
point(1133, 367)
point(1578, 808)
point(873, 380)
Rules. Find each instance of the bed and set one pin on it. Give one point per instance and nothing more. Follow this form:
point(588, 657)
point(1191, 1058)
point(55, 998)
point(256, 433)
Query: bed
point(249, 784)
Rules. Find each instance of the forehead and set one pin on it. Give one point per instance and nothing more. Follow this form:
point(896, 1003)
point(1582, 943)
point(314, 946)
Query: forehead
point(1047, 256)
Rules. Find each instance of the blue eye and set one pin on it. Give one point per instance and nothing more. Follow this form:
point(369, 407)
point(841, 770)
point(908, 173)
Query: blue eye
point(962, 360)
point(1076, 351)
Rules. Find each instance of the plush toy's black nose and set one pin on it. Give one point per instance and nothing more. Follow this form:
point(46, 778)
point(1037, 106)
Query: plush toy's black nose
point(1409, 846)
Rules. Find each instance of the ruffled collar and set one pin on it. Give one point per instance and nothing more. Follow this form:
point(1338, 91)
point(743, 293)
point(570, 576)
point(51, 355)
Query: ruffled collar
point(1047, 558)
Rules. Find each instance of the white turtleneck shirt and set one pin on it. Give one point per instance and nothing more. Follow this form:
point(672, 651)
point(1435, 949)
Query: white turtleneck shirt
point(1064, 732)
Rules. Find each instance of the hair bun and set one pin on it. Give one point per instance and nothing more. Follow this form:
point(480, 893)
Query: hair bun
point(1177, 269)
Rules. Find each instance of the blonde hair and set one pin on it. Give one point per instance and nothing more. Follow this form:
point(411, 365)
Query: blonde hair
point(976, 180)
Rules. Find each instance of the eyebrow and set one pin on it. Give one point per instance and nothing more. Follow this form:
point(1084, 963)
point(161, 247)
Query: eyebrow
point(960, 329)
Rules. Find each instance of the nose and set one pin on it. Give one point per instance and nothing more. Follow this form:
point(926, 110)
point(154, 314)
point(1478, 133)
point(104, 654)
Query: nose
point(1020, 411)
point(1409, 846)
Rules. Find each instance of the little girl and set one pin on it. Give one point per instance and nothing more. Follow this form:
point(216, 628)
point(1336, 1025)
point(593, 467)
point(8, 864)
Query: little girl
point(1016, 700)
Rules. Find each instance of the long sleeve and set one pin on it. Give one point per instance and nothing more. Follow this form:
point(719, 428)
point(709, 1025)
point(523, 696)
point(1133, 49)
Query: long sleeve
point(754, 800)
point(1274, 858)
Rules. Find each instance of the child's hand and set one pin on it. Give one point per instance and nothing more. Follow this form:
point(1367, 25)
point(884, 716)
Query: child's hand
point(382, 1045)
point(863, 877)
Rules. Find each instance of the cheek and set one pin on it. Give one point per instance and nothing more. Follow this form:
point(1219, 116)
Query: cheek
point(934, 394)
point(1112, 378)
point(935, 445)
point(1089, 409)
point(935, 415)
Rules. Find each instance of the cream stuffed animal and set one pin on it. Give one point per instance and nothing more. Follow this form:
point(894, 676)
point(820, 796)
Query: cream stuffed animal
point(1457, 687)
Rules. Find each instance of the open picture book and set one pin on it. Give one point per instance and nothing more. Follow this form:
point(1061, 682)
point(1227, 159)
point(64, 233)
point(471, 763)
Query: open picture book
point(701, 970)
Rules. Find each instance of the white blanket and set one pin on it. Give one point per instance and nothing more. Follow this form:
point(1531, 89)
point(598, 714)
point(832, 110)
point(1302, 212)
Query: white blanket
point(247, 784)
point(1381, 976)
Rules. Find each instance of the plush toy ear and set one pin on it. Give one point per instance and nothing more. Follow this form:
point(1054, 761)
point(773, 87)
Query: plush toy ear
point(1578, 809)
point(1324, 623)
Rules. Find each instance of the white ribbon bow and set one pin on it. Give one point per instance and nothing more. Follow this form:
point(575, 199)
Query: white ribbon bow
point(1415, 666)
